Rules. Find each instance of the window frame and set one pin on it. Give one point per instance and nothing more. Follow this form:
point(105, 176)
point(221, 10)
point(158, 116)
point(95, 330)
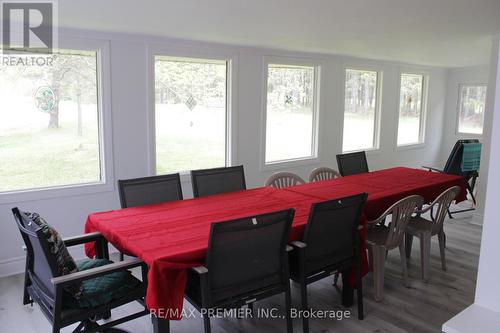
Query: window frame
point(459, 103)
point(423, 111)
point(216, 54)
point(105, 130)
point(378, 106)
point(318, 65)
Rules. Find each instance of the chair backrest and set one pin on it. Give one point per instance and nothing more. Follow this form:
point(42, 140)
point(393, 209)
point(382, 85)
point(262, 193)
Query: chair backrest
point(400, 212)
point(352, 163)
point(454, 162)
point(331, 233)
point(284, 179)
point(41, 266)
point(149, 190)
point(323, 173)
point(248, 254)
point(440, 207)
point(218, 180)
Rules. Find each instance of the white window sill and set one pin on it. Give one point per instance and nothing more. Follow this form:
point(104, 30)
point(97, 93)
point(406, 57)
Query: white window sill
point(369, 151)
point(55, 192)
point(410, 146)
point(469, 135)
point(279, 165)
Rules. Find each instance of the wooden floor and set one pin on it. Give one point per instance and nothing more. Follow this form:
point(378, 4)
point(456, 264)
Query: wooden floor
point(423, 307)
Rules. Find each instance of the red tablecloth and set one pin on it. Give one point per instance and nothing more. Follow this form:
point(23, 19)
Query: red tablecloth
point(172, 237)
point(385, 187)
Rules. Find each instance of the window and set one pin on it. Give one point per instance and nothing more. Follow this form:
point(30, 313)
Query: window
point(472, 99)
point(411, 114)
point(50, 122)
point(290, 113)
point(360, 110)
point(190, 113)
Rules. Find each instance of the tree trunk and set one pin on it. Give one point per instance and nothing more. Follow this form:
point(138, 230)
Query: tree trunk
point(366, 100)
point(54, 117)
point(54, 114)
point(355, 91)
point(79, 107)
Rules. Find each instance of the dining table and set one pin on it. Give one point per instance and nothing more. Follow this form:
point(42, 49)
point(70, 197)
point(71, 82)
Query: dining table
point(172, 237)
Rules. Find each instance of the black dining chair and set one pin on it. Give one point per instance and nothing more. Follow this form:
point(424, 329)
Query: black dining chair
point(104, 285)
point(149, 190)
point(352, 163)
point(218, 180)
point(246, 261)
point(330, 244)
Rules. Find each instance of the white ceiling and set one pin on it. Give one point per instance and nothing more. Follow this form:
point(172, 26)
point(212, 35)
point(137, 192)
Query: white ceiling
point(449, 33)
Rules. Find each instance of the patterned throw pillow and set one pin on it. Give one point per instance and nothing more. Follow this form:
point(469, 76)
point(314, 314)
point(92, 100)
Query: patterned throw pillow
point(64, 262)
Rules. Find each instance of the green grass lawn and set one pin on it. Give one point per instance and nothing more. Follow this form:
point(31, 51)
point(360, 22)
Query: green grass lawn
point(185, 141)
point(48, 157)
point(188, 140)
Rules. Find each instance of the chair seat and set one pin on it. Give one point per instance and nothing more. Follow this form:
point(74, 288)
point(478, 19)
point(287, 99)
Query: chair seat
point(377, 235)
point(71, 315)
point(332, 263)
point(417, 225)
point(102, 289)
point(193, 290)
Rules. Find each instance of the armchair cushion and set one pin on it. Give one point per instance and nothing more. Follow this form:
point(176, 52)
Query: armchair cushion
point(65, 263)
point(102, 289)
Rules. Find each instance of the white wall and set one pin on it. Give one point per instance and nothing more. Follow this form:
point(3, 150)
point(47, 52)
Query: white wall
point(484, 315)
point(487, 291)
point(129, 77)
point(457, 76)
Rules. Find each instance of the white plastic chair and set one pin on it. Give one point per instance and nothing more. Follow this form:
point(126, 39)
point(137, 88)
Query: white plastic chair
point(284, 179)
point(323, 173)
point(424, 229)
point(382, 238)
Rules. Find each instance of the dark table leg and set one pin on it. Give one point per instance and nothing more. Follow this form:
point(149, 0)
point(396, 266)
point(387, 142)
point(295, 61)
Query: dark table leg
point(160, 325)
point(347, 291)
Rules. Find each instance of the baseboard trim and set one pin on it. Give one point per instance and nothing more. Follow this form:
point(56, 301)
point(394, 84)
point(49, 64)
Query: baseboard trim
point(12, 266)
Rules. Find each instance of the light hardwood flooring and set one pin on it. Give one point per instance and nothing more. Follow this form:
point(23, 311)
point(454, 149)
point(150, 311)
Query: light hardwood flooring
point(423, 307)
